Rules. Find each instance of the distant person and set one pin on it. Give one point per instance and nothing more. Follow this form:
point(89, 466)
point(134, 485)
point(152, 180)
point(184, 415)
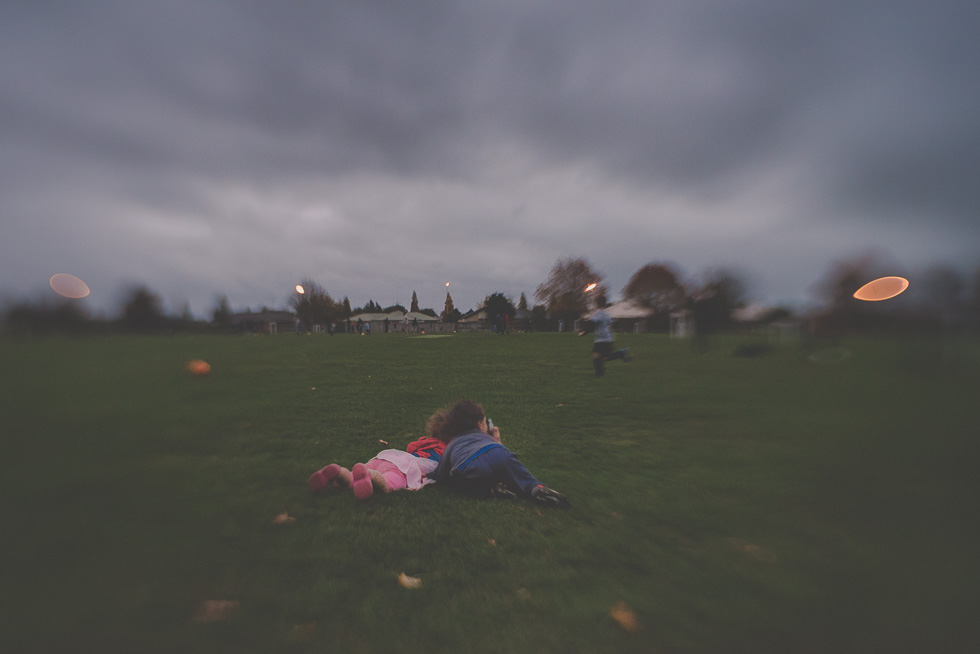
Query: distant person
point(475, 462)
point(331, 328)
point(498, 324)
point(506, 323)
point(704, 310)
point(415, 325)
point(386, 325)
point(602, 348)
point(360, 326)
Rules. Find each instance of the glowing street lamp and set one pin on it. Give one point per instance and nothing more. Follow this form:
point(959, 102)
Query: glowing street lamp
point(590, 287)
point(300, 289)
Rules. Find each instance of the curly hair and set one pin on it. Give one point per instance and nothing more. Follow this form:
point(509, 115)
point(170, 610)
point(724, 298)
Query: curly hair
point(462, 417)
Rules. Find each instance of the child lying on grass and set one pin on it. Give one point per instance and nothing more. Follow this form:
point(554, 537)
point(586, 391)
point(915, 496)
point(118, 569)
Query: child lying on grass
point(476, 462)
point(459, 449)
point(388, 471)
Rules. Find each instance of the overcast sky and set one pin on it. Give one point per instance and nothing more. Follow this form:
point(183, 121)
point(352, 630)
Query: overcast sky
point(208, 148)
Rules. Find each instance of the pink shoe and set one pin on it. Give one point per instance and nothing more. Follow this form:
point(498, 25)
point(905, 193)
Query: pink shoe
point(361, 482)
point(331, 476)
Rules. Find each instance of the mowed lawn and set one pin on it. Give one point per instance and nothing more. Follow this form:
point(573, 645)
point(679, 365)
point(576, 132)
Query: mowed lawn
point(729, 503)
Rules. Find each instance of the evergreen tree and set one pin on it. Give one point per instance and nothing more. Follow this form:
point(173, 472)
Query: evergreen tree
point(449, 314)
point(142, 311)
point(221, 316)
point(415, 303)
point(497, 303)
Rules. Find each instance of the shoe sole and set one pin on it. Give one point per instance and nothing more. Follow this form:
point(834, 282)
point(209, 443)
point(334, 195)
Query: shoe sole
point(361, 482)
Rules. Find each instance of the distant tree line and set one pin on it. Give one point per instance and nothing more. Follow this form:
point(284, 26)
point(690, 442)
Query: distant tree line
point(573, 288)
point(940, 295)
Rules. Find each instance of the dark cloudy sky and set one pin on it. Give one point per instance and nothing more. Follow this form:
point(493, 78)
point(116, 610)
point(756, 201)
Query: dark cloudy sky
point(383, 147)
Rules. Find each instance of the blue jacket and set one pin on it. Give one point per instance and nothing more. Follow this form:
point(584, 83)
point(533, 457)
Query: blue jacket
point(460, 453)
point(474, 462)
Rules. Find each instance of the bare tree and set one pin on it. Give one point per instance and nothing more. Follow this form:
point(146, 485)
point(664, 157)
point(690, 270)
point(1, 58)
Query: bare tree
point(657, 286)
point(564, 294)
point(315, 306)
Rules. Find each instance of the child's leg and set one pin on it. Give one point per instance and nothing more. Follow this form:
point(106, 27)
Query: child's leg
point(623, 354)
point(598, 363)
point(329, 476)
point(498, 465)
point(394, 479)
point(383, 474)
point(513, 473)
point(361, 482)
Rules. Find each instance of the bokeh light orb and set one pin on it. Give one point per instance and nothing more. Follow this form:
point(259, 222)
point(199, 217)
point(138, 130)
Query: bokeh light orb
point(198, 368)
point(69, 286)
point(883, 288)
point(300, 289)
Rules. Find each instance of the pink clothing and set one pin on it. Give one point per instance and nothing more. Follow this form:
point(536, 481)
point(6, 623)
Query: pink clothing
point(412, 467)
point(393, 476)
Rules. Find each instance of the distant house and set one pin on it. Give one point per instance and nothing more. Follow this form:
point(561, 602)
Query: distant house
point(266, 321)
point(397, 322)
point(627, 316)
point(779, 324)
point(473, 321)
point(522, 319)
point(682, 323)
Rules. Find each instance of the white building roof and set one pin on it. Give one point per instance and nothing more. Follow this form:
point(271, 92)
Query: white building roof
point(394, 316)
point(627, 309)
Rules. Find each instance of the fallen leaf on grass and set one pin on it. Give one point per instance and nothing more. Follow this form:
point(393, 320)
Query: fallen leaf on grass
point(624, 616)
point(492, 541)
point(382, 441)
point(283, 519)
point(215, 610)
point(409, 582)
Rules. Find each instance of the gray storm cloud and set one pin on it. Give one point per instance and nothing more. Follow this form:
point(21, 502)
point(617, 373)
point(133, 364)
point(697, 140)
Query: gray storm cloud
point(384, 148)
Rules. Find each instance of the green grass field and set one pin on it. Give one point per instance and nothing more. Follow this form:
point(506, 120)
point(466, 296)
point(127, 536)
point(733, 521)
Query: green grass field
point(766, 504)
